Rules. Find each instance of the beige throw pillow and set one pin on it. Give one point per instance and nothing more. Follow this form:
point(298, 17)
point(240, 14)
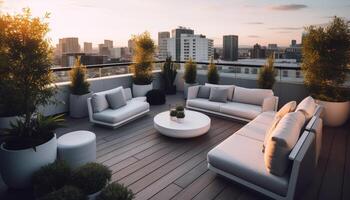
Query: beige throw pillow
point(307, 107)
point(282, 141)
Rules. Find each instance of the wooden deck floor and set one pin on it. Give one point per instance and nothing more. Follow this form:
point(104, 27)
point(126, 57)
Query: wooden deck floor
point(158, 167)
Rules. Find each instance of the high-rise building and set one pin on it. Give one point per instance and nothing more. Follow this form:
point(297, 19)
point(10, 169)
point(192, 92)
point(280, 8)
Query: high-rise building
point(68, 45)
point(131, 46)
point(230, 47)
point(293, 43)
point(258, 52)
point(103, 50)
point(108, 43)
point(272, 46)
point(162, 44)
point(87, 47)
point(176, 34)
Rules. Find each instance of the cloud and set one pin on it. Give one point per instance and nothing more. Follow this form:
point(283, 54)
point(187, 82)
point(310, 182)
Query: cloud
point(284, 32)
point(255, 23)
point(253, 36)
point(288, 7)
point(286, 28)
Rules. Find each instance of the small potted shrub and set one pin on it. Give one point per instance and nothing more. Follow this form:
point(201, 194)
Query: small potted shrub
point(79, 88)
point(50, 178)
point(325, 66)
point(169, 72)
point(190, 75)
point(144, 49)
point(180, 115)
point(91, 178)
point(116, 191)
point(65, 193)
point(173, 113)
point(267, 74)
point(180, 108)
point(212, 74)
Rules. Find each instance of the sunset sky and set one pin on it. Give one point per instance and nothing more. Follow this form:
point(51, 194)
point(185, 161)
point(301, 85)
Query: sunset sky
point(263, 21)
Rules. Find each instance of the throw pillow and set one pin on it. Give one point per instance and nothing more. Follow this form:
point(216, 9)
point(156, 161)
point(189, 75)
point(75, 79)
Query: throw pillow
point(270, 130)
point(99, 102)
point(230, 88)
point(204, 92)
point(287, 108)
point(307, 107)
point(218, 95)
point(282, 141)
point(116, 99)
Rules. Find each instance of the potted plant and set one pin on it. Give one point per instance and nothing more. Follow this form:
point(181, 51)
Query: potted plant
point(30, 142)
point(169, 72)
point(67, 193)
point(79, 88)
point(325, 64)
point(143, 58)
point(212, 74)
point(180, 115)
point(91, 178)
point(180, 108)
point(173, 113)
point(116, 191)
point(190, 75)
point(266, 78)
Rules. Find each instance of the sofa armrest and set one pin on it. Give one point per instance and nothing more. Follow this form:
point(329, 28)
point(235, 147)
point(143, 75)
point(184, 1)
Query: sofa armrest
point(270, 104)
point(192, 92)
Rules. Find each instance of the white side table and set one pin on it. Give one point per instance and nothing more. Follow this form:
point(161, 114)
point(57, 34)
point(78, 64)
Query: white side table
point(77, 148)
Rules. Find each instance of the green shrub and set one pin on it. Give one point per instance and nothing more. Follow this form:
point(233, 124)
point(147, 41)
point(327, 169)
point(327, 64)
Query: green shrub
point(326, 60)
point(213, 75)
point(267, 74)
point(78, 85)
point(190, 73)
point(91, 177)
point(169, 72)
point(115, 191)
point(50, 178)
point(173, 113)
point(65, 193)
point(180, 114)
point(180, 108)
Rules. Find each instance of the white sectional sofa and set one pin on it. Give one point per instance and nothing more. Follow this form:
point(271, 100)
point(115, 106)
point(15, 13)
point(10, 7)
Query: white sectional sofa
point(294, 145)
point(134, 108)
point(242, 103)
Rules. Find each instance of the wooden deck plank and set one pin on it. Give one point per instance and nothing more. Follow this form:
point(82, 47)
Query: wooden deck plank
point(212, 190)
point(167, 193)
point(192, 175)
point(230, 192)
point(346, 182)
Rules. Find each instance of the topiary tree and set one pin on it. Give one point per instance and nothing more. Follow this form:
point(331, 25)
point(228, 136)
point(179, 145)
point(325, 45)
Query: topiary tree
point(267, 74)
point(65, 193)
point(212, 74)
point(326, 59)
point(190, 73)
point(169, 72)
point(116, 191)
point(144, 49)
point(79, 84)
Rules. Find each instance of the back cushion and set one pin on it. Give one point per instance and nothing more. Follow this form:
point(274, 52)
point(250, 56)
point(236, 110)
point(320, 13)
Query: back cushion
point(116, 99)
point(251, 96)
point(287, 108)
point(99, 102)
point(230, 88)
point(282, 141)
point(218, 95)
point(127, 93)
point(204, 92)
point(307, 107)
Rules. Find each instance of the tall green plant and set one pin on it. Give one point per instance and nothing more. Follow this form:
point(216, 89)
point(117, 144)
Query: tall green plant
point(144, 49)
point(190, 73)
point(212, 74)
point(79, 84)
point(267, 74)
point(169, 72)
point(325, 60)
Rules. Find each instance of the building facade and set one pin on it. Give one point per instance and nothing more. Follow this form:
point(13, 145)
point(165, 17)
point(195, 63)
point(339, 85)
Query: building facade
point(197, 47)
point(87, 47)
point(68, 45)
point(176, 33)
point(230, 47)
point(162, 44)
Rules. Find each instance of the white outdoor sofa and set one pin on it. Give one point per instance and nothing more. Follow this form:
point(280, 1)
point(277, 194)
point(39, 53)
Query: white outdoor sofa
point(134, 108)
point(242, 103)
point(241, 159)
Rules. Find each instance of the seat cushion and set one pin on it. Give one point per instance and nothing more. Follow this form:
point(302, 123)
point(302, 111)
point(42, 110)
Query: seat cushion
point(251, 96)
point(114, 116)
point(229, 87)
point(142, 99)
point(246, 111)
point(242, 157)
point(255, 129)
point(204, 104)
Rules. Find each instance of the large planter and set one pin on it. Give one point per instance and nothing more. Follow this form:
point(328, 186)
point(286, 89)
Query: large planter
point(5, 122)
point(18, 166)
point(141, 90)
point(335, 113)
point(78, 105)
point(186, 86)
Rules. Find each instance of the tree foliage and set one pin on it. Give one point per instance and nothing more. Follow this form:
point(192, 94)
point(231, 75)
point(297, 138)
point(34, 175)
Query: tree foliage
point(79, 84)
point(267, 74)
point(144, 49)
point(169, 72)
point(190, 73)
point(325, 59)
point(213, 75)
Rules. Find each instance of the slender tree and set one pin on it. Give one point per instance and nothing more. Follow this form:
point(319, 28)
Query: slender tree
point(267, 74)
point(190, 73)
point(213, 75)
point(79, 85)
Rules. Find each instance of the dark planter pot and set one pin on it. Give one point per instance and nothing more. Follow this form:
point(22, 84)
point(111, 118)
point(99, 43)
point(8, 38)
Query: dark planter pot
point(170, 90)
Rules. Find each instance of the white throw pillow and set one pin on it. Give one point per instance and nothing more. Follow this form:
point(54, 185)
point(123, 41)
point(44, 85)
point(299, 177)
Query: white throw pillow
point(282, 141)
point(251, 96)
point(230, 88)
point(307, 107)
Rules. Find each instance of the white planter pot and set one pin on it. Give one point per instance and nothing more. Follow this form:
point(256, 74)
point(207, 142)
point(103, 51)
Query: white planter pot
point(335, 113)
point(78, 105)
point(180, 120)
point(141, 90)
point(186, 86)
point(173, 118)
point(6, 121)
point(18, 166)
point(93, 196)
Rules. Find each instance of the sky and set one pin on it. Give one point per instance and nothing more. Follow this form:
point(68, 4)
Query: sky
point(254, 21)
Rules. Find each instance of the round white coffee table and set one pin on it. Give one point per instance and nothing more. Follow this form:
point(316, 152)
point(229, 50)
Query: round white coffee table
point(194, 124)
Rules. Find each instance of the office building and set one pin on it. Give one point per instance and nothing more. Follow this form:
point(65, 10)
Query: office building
point(108, 43)
point(162, 44)
point(258, 51)
point(68, 45)
point(176, 34)
point(293, 43)
point(87, 47)
point(103, 50)
point(230, 47)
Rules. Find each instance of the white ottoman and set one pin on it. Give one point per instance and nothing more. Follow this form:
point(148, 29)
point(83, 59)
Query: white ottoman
point(77, 148)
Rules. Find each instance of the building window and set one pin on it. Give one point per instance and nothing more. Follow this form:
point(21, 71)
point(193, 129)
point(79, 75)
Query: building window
point(297, 74)
point(285, 73)
point(246, 70)
point(254, 71)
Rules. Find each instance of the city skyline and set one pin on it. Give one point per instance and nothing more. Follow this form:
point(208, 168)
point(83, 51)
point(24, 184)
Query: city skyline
point(260, 22)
